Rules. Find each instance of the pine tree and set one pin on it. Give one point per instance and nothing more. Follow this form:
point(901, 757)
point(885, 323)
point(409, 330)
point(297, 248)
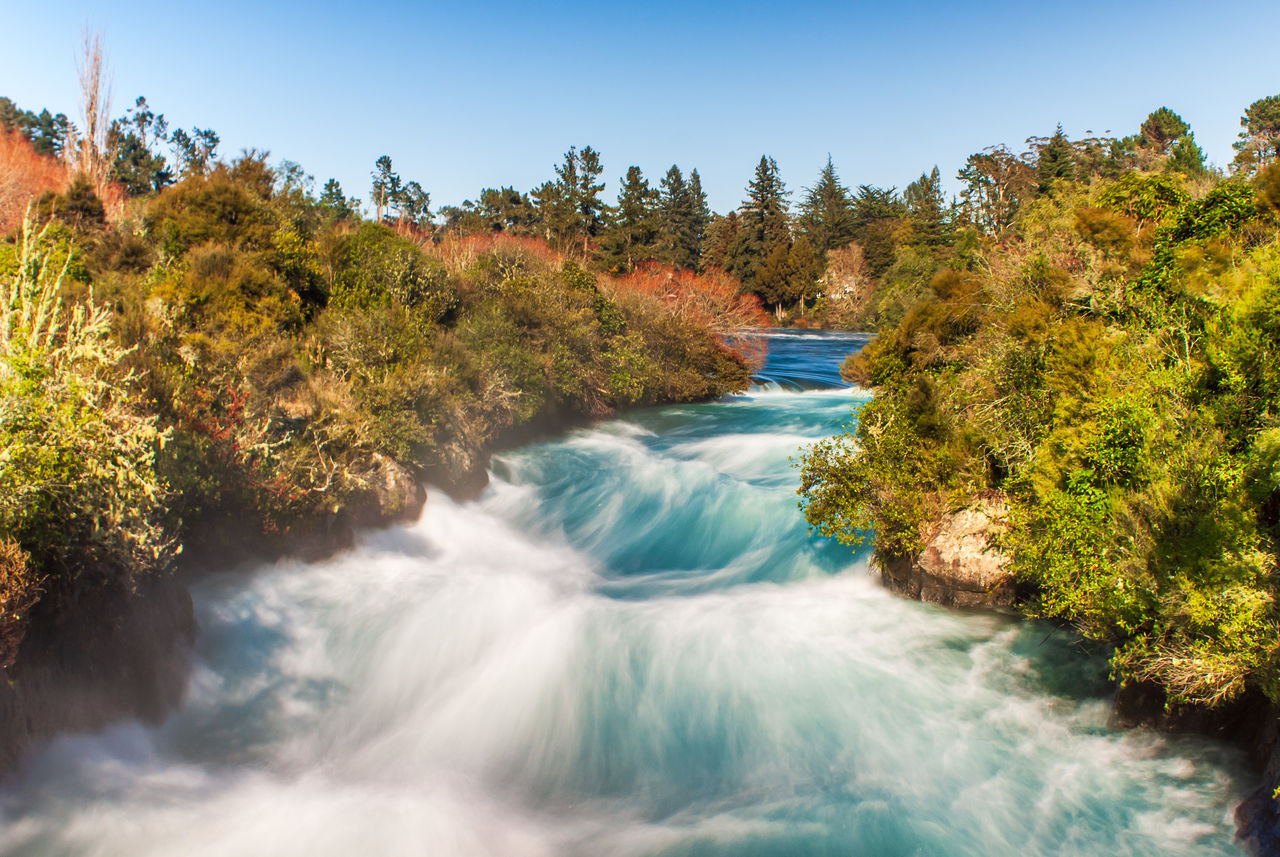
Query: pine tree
point(1187, 157)
point(681, 222)
point(591, 208)
point(386, 186)
point(632, 236)
point(1057, 161)
point(926, 206)
point(570, 207)
point(1162, 129)
point(333, 199)
point(701, 213)
point(826, 214)
point(764, 224)
point(720, 239)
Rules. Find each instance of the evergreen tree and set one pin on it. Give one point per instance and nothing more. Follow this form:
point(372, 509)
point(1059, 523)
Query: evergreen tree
point(878, 217)
point(591, 208)
point(1162, 129)
point(826, 214)
point(506, 210)
point(1187, 157)
point(413, 205)
point(681, 207)
point(335, 201)
point(632, 236)
point(773, 278)
point(926, 207)
point(1259, 142)
point(764, 224)
point(806, 263)
point(701, 212)
point(570, 207)
point(555, 210)
point(386, 186)
point(1057, 161)
point(720, 239)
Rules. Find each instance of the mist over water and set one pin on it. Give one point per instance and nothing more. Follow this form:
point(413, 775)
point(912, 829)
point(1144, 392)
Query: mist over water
point(629, 646)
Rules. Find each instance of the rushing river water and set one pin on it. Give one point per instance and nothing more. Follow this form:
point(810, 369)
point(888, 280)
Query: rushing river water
point(630, 645)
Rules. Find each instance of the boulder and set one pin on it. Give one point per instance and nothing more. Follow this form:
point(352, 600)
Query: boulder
point(959, 566)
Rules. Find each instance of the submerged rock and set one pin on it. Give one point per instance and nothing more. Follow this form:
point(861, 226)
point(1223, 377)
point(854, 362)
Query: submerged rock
point(959, 565)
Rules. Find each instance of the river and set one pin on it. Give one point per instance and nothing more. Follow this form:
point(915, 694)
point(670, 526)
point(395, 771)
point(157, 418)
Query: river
point(629, 645)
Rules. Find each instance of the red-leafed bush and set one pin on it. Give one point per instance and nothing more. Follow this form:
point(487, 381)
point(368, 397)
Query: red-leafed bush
point(24, 176)
point(713, 298)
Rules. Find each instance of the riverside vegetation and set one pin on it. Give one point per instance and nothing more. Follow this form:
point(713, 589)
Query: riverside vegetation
point(199, 348)
point(206, 364)
point(1099, 350)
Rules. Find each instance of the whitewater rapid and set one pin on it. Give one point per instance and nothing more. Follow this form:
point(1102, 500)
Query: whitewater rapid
point(630, 645)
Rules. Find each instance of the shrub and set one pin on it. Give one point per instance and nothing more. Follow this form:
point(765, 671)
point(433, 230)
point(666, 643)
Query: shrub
point(78, 489)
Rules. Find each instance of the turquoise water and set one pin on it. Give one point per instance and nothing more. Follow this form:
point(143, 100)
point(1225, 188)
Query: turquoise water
point(630, 645)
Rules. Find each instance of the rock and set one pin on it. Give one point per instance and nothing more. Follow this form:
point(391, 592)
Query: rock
point(959, 567)
point(126, 655)
point(393, 492)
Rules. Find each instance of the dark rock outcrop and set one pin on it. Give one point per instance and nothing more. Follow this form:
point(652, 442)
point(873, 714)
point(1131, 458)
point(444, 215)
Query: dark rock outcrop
point(126, 655)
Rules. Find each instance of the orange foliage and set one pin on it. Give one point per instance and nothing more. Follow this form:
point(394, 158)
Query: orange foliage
point(24, 176)
point(712, 299)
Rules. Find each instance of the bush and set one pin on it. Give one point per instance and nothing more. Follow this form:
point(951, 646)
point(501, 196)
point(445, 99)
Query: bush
point(78, 488)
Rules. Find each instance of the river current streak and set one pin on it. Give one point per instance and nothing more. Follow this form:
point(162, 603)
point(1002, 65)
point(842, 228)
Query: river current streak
point(630, 645)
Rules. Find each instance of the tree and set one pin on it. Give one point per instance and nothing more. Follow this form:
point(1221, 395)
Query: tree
point(134, 139)
point(720, 241)
point(632, 235)
point(1259, 142)
point(701, 211)
point(806, 267)
point(925, 205)
point(413, 205)
point(590, 207)
point(555, 210)
point(206, 148)
point(386, 186)
point(680, 230)
point(826, 213)
point(1162, 129)
point(879, 216)
point(763, 222)
point(46, 132)
point(570, 207)
point(1188, 158)
point(1056, 161)
point(335, 201)
point(90, 150)
point(996, 183)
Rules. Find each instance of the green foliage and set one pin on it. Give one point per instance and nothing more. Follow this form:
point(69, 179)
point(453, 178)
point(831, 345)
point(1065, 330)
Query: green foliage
point(1109, 369)
point(826, 213)
point(78, 487)
point(378, 266)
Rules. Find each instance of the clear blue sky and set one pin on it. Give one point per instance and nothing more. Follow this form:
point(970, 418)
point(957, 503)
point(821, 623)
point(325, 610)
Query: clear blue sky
point(467, 95)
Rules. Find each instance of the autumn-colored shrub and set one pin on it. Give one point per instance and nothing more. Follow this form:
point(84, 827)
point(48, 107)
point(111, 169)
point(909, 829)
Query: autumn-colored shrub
point(24, 176)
